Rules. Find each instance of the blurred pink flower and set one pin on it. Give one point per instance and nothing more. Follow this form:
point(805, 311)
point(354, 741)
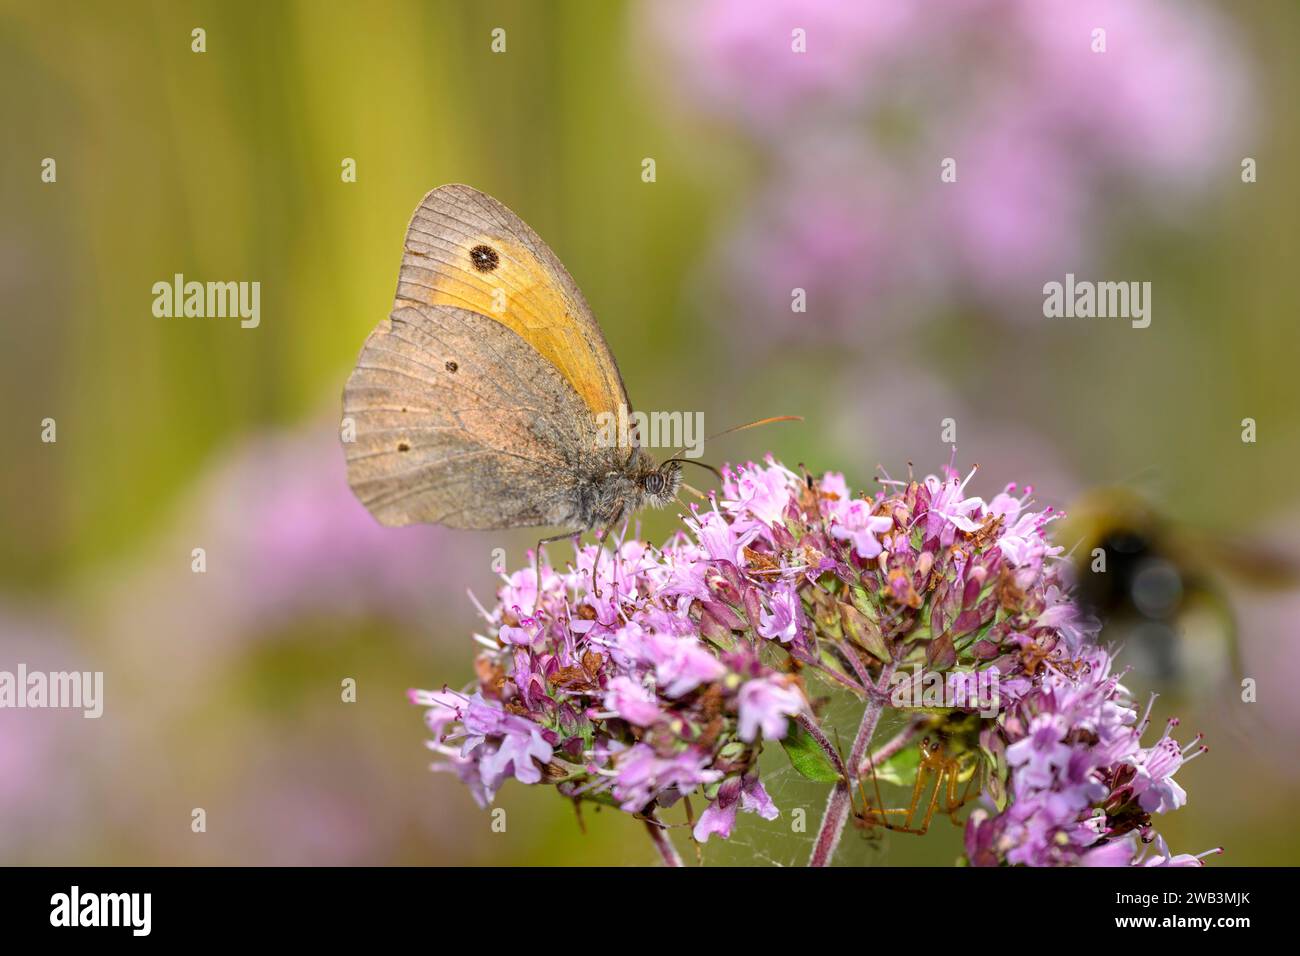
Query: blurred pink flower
point(736, 59)
point(904, 407)
point(284, 542)
point(46, 755)
point(1044, 132)
point(830, 223)
point(1165, 98)
point(280, 507)
point(1020, 213)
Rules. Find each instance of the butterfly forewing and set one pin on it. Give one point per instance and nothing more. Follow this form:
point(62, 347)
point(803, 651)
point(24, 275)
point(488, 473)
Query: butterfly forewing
point(465, 249)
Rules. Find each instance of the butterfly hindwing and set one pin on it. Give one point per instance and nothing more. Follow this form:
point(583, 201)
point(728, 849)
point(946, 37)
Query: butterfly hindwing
point(458, 421)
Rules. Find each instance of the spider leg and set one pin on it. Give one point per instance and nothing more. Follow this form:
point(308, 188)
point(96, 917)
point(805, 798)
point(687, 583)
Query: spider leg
point(934, 801)
point(955, 803)
point(923, 774)
point(873, 816)
point(946, 773)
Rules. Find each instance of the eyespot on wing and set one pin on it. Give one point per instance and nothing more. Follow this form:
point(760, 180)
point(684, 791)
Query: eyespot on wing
point(466, 250)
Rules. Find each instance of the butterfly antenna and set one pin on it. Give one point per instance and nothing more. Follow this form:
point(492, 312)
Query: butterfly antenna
point(739, 428)
point(699, 464)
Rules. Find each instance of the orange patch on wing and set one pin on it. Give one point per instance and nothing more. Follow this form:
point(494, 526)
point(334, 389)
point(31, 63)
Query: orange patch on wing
point(519, 293)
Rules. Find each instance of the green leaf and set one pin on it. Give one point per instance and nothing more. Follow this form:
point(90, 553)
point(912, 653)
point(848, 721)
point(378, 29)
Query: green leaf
point(807, 756)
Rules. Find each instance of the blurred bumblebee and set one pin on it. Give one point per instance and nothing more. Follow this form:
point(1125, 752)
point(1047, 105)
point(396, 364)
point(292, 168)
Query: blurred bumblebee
point(1161, 589)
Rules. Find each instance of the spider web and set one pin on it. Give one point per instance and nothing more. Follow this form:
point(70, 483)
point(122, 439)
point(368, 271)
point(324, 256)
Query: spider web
point(784, 842)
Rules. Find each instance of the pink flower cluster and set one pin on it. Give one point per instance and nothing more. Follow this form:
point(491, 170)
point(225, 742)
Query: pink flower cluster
point(640, 676)
point(613, 693)
point(1080, 785)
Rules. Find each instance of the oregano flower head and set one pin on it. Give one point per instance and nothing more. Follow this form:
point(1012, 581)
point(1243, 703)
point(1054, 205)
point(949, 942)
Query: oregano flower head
point(639, 676)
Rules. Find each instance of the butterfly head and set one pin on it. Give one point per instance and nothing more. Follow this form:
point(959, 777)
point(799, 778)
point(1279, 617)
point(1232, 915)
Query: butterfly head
point(659, 485)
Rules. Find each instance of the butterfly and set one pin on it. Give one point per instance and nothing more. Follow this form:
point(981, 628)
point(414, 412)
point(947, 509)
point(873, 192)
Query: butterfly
point(478, 402)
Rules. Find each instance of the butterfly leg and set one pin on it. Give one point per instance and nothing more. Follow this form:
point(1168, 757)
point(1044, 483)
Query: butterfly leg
point(600, 546)
point(537, 563)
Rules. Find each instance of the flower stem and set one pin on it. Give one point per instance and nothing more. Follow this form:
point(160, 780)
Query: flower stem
point(659, 836)
point(840, 800)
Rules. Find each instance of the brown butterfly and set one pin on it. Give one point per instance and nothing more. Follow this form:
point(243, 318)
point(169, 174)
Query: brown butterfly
point(476, 402)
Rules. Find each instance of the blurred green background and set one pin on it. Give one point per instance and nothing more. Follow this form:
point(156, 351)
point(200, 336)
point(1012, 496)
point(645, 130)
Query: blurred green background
point(222, 690)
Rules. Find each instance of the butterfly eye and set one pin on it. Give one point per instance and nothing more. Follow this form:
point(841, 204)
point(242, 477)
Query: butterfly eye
point(654, 483)
point(485, 258)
